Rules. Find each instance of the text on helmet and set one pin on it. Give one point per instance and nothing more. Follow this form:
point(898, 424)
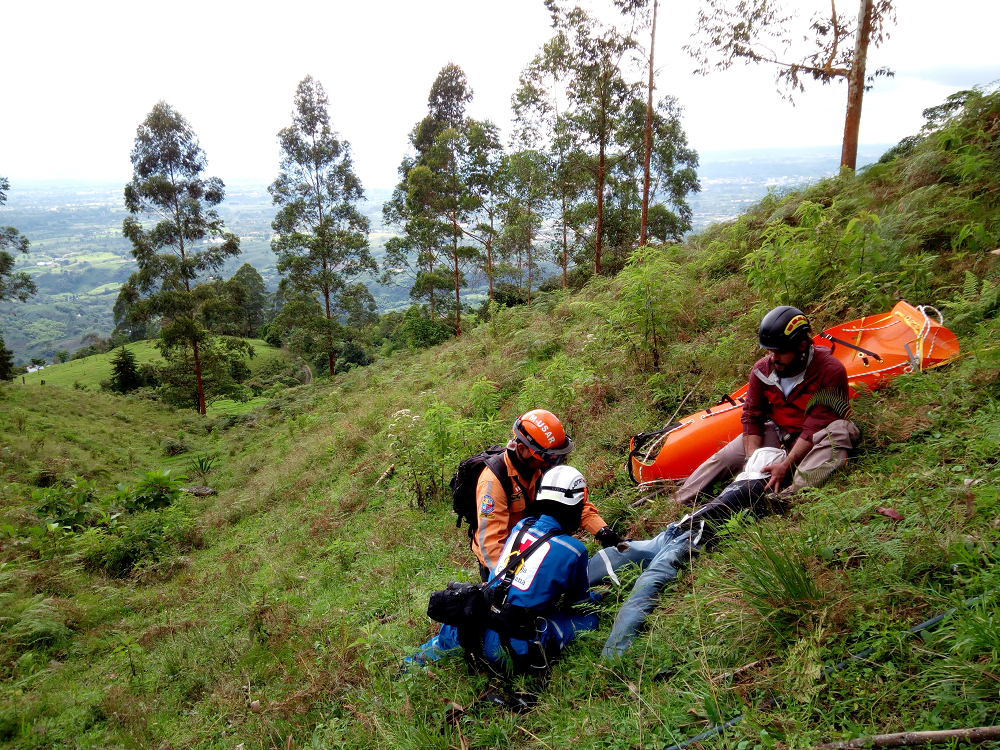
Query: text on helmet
point(540, 424)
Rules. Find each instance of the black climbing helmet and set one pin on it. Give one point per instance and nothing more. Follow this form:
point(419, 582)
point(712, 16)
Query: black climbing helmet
point(783, 328)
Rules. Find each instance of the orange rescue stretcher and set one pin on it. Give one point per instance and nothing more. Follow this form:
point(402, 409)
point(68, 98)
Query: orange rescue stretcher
point(875, 349)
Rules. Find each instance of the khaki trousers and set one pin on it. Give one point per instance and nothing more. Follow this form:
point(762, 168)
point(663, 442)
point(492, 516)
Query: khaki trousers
point(829, 453)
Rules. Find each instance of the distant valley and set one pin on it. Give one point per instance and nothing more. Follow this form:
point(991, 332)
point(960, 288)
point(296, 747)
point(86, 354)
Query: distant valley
point(79, 258)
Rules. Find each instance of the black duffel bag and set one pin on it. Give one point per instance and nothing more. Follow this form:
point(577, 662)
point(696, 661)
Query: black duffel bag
point(458, 604)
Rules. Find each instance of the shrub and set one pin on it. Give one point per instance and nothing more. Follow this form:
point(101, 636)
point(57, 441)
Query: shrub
point(419, 331)
point(41, 624)
point(157, 489)
point(772, 576)
point(652, 304)
point(76, 506)
point(146, 537)
point(172, 447)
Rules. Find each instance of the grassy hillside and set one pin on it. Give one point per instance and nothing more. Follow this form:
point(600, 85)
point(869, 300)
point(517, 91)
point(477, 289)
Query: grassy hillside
point(276, 613)
point(90, 371)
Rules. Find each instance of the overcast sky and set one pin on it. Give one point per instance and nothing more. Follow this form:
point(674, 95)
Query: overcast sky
point(80, 76)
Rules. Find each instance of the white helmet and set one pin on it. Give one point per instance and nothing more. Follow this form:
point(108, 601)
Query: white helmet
point(563, 484)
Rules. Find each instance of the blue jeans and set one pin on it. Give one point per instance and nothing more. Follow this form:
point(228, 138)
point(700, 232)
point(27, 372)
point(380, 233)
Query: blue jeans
point(660, 558)
point(560, 628)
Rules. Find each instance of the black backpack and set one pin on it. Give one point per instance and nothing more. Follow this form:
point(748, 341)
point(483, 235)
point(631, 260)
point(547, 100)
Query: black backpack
point(463, 484)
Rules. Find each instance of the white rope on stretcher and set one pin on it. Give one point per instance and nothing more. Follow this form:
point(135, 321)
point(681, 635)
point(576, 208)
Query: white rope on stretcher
point(722, 411)
point(660, 439)
point(892, 321)
point(923, 310)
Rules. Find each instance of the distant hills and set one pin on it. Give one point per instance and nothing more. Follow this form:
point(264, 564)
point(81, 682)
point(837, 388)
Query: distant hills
point(79, 258)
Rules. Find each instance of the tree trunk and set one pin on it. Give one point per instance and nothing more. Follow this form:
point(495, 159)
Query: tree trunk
point(489, 264)
point(602, 138)
point(197, 377)
point(599, 229)
point(194, 341)
point(458, 298)
point(530, 242)
point(329, 329)
point(454, 258)
point(489, 255)
point(565, 252)
point(856, 87)
point(904, 739)
point(648, 136)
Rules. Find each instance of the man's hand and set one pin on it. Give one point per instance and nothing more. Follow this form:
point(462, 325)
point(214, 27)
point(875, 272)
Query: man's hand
point(777, 471)
point(608, 537)
point(777, 474)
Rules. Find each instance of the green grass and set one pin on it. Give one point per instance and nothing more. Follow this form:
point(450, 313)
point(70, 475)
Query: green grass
point(90, 371)
point(302, 584)
point(228, 406)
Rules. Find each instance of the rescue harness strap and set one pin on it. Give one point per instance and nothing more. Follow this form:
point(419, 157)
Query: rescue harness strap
point(835, 340)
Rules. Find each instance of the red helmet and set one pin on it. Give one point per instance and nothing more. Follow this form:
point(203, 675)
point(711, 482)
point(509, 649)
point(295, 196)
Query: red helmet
point(543, 434)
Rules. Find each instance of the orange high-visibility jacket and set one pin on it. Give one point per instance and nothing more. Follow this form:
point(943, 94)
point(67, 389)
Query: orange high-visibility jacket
point(498, 514)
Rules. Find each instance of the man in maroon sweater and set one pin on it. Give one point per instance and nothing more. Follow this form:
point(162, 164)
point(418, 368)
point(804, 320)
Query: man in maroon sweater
point(797, 400)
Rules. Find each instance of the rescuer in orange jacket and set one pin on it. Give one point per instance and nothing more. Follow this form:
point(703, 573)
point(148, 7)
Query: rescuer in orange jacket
point(539, 443)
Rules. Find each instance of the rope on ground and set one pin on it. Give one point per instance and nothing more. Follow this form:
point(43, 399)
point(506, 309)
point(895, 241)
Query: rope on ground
point(721, 728)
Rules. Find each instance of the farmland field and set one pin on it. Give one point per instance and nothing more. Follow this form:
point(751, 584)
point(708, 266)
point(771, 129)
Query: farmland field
point(90, 371)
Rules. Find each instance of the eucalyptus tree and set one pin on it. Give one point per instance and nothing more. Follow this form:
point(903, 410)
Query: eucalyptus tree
point(641, 12)
point(176, 235)
point(433, 202)
point(766, 31)
point(540, 124)
point(586, 61)
point(672, 170)
point(528, 187)
point(484, 175)
point(13, 284)
point(321, 237)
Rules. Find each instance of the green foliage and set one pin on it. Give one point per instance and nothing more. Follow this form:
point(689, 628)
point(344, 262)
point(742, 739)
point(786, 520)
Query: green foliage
point(40, 624)
point(654, 301)
point(147, 537)
point(6, 362)
point(125, 376)
point(321, 238)
point(558, 388)
point(14, 285)
point(974, 303)
point(419, 330)
point(222, 361)
point(202, 466)
point(75, 506)
point(773, 577)
point(796, 261)
point(156, 490)
point(167, 184)
point(440, 191)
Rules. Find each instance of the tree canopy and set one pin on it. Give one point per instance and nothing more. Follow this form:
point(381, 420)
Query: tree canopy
point(167, 187)
point(322, 237)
